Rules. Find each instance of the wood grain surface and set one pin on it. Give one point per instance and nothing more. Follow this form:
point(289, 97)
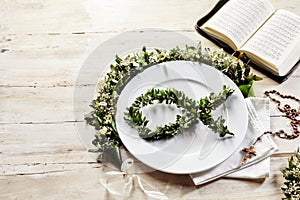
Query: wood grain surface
point(43, 46)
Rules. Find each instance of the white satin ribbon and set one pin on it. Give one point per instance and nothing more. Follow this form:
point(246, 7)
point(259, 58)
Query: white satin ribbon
point(124, 187)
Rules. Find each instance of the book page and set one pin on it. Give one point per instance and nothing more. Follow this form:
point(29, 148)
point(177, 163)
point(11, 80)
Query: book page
point(239, 19)
point(276, 38)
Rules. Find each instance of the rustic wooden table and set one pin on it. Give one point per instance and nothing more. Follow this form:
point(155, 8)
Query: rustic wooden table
point(43, 47)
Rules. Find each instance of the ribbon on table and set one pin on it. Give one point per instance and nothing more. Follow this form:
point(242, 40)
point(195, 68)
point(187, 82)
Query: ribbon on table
point(124, 188)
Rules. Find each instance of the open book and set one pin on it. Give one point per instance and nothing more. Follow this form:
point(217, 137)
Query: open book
point(269, 38)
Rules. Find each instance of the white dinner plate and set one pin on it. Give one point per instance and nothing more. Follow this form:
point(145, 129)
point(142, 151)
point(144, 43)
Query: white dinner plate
point(195, 149)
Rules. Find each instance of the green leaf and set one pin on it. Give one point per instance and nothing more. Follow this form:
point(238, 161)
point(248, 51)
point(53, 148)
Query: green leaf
point(113, 124)
point(89, 116)
point(118, 59)
point(247, 89)
point(94, 150)
point(113, 155)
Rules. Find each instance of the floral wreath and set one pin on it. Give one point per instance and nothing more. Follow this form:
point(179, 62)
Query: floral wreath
point(103, 115)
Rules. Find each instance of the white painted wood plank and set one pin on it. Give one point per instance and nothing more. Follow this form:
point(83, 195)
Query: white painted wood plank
point(285, 146)
point(85, 184)
point(47, 44)
point(40, 139)
point(172, 15)
point(78, 184)
point(50, 156)
point(289, 87)
point(106, 16)
point(36, 105)
point(56, 60)
point(17, 17)
point(42, 168)
point(98, 16)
